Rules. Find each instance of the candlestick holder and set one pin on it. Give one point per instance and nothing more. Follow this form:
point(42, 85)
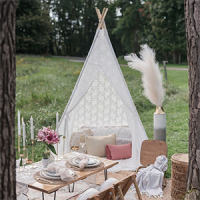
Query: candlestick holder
point(57, 159)
point(19, 143)
point(20, 155)
point(33, 166)
point(20, 162)
point(26, 161)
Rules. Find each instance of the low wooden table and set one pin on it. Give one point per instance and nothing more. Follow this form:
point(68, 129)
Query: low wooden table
point(46, 188)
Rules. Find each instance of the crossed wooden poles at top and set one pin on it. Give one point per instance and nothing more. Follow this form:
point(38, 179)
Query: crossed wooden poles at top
point(101, 16)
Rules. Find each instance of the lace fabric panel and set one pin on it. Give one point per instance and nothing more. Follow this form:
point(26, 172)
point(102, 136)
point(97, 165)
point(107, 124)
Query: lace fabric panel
point(101, 106)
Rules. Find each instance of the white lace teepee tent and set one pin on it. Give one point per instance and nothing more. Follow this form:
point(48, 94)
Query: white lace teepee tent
point(101, 97)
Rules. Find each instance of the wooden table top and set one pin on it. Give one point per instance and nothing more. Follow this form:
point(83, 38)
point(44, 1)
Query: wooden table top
point(46, 188)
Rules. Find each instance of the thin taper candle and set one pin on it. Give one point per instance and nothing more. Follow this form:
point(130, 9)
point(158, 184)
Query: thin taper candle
point(24, 134)
point(19, 124)
point(32, 132)
point(57, 119)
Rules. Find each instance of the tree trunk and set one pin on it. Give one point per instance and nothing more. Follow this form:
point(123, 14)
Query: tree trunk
point(174, 57)
point(179, 58)
point(166, 55)
point(7, 99)
point(192, 19)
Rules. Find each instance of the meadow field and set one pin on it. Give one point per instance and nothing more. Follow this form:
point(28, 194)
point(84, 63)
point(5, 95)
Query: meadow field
point(44, 86)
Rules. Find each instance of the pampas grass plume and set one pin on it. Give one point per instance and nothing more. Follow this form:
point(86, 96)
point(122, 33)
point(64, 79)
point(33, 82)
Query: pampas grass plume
point(151, 76)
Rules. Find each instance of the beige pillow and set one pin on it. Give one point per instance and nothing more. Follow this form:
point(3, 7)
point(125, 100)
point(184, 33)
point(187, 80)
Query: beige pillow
point(96, 145)
point(75, 141)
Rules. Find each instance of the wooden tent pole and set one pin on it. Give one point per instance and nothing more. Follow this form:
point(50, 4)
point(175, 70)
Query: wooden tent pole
point(101, 16)
point(97, 13)
point(105, 13)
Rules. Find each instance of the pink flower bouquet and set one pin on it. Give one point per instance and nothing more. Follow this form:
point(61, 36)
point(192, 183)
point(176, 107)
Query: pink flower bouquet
point(49, 137)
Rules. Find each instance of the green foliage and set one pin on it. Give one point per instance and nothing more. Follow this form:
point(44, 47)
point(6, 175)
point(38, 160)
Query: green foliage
point(76, 23)
point(129, 24)
point(33, 27)
point(165, 28)
point(68, 27)
point(46, 154)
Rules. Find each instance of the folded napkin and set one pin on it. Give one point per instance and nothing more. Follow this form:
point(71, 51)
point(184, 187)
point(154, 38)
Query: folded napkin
point(52, 168)
point(64, 172)
point(84, 161)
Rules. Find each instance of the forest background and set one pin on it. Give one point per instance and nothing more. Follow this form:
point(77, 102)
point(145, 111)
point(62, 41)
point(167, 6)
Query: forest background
point(67, 27)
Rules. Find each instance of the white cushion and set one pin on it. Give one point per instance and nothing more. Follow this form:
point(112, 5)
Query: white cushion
point(108, 183)
point(122, 132)
point(87, 194)
point(96, 145)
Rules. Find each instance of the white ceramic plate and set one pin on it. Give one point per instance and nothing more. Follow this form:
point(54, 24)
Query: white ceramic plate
point(45, 175)
point(91, 161)
point(73, 162)
point(52, 174)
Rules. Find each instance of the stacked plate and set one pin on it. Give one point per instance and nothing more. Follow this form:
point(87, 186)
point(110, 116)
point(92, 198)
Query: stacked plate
point(93, 162)
point(52, 175)
point(49, 175)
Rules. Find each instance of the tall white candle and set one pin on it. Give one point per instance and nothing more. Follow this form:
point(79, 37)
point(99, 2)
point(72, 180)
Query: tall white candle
point(57, 119)
point(24, 134)
point(32, 132)
point(19, 124)
point(65, 126)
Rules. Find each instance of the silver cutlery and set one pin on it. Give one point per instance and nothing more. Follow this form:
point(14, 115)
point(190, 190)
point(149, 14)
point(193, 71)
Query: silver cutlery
point(42, 179)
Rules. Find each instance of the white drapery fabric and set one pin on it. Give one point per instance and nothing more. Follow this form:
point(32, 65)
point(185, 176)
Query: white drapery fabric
point(101, 97)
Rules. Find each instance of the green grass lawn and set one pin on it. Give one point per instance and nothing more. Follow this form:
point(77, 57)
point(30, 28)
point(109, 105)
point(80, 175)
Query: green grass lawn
point(44, 86)
point(168, 65)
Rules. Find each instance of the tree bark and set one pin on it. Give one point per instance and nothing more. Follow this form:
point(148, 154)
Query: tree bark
point(192, 19)
point(7, 99)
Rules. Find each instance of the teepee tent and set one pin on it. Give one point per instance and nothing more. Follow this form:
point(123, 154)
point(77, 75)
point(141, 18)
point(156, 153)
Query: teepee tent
point(101, 97)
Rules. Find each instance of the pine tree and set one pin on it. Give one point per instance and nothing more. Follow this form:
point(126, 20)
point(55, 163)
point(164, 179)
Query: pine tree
point(33, 27)
point(165, 30)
